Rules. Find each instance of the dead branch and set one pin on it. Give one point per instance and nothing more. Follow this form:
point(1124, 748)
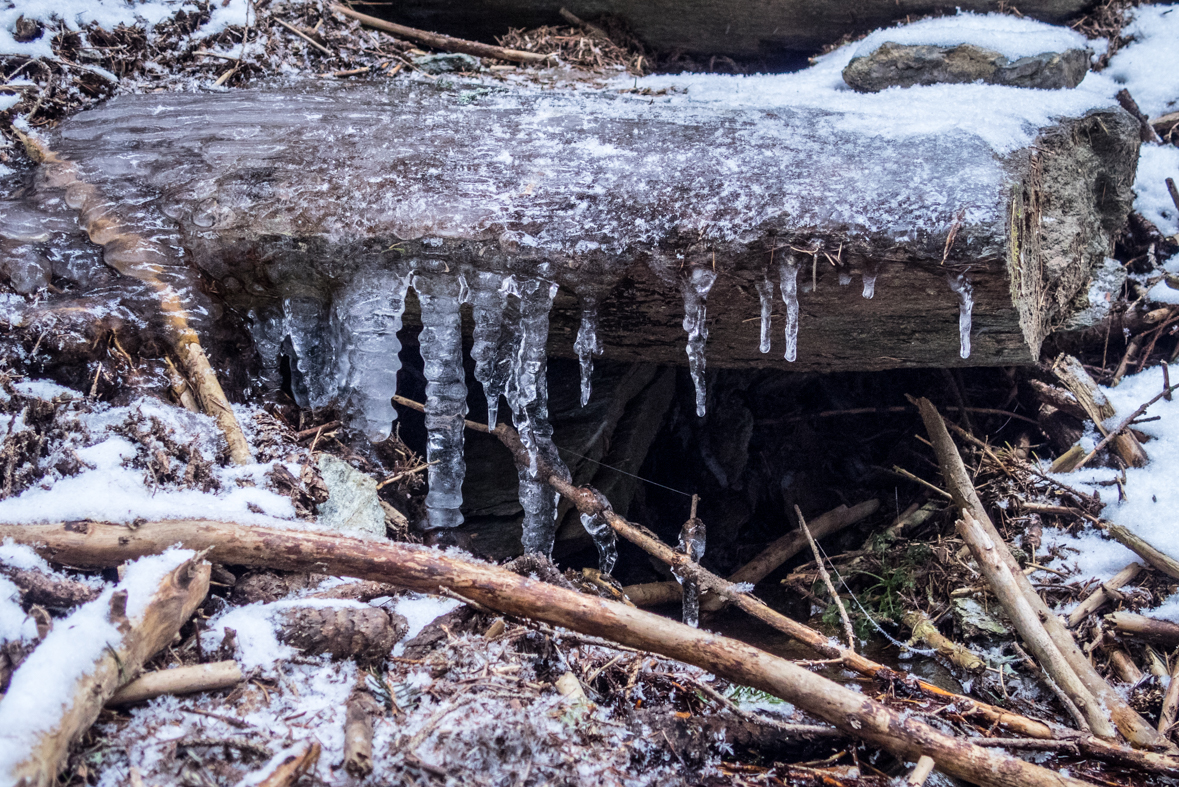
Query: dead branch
point(1139, 546)
point(445, 43)
point(1105, 592)
point(1129, 723)
point(286, 767)
point(426, 570)
point(175, 598)
point(1097, 407)
point(1160, 632)
point(140, 258)
point(847, 626)
point(1124, 666)
point(181, 680)
point(1123, 426)
point(358, 733)
point(1170, 703)
point(924, 630)
point(1023, 616)
point(54, 592)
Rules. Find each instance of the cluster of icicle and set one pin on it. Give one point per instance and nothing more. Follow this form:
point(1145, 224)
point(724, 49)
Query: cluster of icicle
point(358, 356)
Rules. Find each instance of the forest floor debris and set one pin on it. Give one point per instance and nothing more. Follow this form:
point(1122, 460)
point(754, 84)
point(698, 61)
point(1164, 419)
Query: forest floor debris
point(468, 695)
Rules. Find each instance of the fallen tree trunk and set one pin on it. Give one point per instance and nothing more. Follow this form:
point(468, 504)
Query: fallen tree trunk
point(1159, 632)
point(761, 194)
point(100, 647)
point(429, 571)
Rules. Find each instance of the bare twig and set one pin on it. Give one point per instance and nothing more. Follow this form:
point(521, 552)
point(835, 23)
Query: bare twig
point(847, 626)
point(442, 42)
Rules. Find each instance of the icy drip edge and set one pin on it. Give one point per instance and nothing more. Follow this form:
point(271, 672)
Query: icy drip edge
point(695, 323)
point(587, 346)
point(965, 292)
point(765, 291)
point(788, 273)
point(527, 394)
point(604, 539)
point(869, 291)
point(487, 299)
point(446, 397)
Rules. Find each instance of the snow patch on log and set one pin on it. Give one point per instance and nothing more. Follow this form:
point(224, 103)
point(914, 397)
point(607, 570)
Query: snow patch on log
point(47, 680)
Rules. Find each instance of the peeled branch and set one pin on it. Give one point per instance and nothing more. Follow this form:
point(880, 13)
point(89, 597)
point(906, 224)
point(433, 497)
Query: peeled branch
point(179, 680)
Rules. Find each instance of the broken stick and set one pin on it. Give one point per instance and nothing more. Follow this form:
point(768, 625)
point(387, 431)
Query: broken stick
point(180, 680)
point(1105, 591)
point(445, 43)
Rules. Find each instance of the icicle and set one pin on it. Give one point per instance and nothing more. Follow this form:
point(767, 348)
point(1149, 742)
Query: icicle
point(527, 393)
point(695, 316)
point(869, 285)
point(965, 291)
point(765, 290)
point(491, 367)
point(367, 317)
point(692, 542)
point(788, 272)
point(303, 321)
point(604, 539)
point(587, 346)
point(268, 330)
point(845, 278)
point(446, 396)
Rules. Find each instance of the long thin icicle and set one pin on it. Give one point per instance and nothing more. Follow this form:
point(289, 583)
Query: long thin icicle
point(692, 543)
point(765, 291)
point(487, 299)
point(587, 345)
point(788, 273)
point(695, 323)
point(965, 292)
point(446, 396)
point(527, 393)
point(367, 317)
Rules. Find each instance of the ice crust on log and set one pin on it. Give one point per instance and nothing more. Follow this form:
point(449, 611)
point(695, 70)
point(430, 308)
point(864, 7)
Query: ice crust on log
point(314, 204)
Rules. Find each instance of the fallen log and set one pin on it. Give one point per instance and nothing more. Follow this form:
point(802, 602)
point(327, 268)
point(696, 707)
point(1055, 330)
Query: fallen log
point(929, 239)
point(180, 680)
point(1097, 407)
point(97, 544)
point(46, 591)
point(429, 571)
point(59, 690)
point(1129, 723)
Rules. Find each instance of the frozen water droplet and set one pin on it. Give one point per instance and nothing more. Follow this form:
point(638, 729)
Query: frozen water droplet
point(587, 345)
point(765, 291)
point(788, 272)
point(367, 317)
point(965, 292)
point(604, 539)
point(695, 323)
point(441, 341)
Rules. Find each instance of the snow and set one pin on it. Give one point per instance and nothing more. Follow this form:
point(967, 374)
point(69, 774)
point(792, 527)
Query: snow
point(47, 679)
point(111, 488)
point(1151, 494)
point(1161, 293)
point(1011, 36)
point(1156, 163)
point(1149, 66)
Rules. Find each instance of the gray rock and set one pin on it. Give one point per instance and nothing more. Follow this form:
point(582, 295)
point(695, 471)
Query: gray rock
point(352, 505)
point(905, 65)
point(447, 63)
